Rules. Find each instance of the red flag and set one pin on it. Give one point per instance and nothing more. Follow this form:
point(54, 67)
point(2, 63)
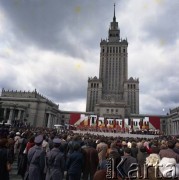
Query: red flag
point(114, 123)
point(88, 121)
point(122, 123)
point(97, 122)
point(141, 123)
point(105, 122)
point(132, 123)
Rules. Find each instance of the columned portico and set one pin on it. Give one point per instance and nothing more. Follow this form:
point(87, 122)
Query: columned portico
point(10, 116)
point(19, 114)
point(5, 112)
point(49, 121)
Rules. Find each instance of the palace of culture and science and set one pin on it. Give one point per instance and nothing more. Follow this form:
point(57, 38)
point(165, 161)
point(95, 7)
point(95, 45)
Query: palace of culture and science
point(113, 94)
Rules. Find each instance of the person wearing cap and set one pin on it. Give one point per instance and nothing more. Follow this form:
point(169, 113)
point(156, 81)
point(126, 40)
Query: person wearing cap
point(36, 160)
point(55, 162)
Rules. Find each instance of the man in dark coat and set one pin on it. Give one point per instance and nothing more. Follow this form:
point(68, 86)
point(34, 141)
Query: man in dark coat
point(5, 157)
point(75, 164)
point(90, 160)
point(127, 164)
point(55, 162)
point(36, 160)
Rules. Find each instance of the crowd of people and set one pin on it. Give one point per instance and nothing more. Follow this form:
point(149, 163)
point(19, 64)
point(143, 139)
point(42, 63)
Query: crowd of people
point(46, 154)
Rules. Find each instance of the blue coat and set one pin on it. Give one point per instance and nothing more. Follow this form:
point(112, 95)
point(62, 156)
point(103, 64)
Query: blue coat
point(75, 163)
point(36, 161)
point(55, 165)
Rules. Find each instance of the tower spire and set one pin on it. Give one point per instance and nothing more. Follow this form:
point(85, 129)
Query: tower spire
point(114, 18)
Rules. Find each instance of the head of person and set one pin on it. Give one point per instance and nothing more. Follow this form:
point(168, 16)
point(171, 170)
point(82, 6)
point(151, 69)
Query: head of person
point(76, 147)
point(127, 151)
point(56, 142)
point(38, 140)
point(143, 149)
point(171, 144)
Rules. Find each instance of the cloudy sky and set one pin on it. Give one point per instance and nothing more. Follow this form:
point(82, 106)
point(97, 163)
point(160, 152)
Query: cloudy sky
point(53, 46)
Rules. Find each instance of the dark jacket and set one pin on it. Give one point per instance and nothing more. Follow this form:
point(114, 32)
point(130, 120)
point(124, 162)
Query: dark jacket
point(75, 163)
point(55, 164)
point(36, 161)
point(4, 158)
point(126, 166)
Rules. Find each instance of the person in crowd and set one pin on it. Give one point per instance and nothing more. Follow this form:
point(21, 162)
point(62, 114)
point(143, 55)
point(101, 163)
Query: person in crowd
point(55, 162)
point(176, 148)
point(73, 141)
point(10, 144)
point(75, 163)
point(102, 148)
point(90, 160)
point(50, 141)
point(6, 160)
point(169, 152)
point(16, 144)
point(29, 144)
point(155, 147)
point(134, 149)
point(45, 144)
point(22, 158)
point(36, 160)
point(141, 159)
point(126, 164)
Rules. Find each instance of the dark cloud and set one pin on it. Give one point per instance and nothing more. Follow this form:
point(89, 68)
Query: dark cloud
point(75, 28)
point(59, 25)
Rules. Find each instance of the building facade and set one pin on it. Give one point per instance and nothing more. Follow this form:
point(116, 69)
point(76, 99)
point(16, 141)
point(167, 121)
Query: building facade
point(20, 108)
point(113, 94)
point(172, 122)
point(29, 108)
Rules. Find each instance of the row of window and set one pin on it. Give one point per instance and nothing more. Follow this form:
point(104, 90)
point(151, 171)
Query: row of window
point(111, 110)
point(114, 35)
point(113, 50)
point(94, 85)
point(131, 86)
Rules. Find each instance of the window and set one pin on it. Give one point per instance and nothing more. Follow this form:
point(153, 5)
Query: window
point(124, 50)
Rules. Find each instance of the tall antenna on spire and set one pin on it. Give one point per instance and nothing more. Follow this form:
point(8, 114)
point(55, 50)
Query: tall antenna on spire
point(114, 18)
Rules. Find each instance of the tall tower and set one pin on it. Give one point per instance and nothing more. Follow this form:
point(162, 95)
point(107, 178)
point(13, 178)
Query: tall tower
point(113, 62)
point(113, 96)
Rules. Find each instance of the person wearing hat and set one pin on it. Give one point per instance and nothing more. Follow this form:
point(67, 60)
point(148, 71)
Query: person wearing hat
point(55, 162)
point(16, 144)
point(36, 160)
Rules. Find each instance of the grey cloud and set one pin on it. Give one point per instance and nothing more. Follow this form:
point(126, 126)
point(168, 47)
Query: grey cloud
point(163, 27)
point(44, 22)
point(62, 89)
